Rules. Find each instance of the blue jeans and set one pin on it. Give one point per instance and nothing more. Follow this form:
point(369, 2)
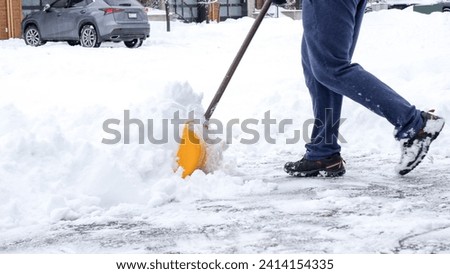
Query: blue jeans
point(331, 29)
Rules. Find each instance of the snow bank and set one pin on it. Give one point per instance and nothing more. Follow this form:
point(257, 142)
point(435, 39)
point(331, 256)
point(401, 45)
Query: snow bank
point(54, 167)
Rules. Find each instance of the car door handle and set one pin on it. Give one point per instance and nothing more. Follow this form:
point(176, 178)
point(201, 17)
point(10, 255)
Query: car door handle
point(82, 11)
point(58, 14)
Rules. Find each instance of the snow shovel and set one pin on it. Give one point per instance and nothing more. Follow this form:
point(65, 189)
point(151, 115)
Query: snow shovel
point(191, 153)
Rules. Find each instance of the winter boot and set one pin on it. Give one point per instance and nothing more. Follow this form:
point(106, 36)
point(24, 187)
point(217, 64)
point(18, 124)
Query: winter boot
point(329, 167)
point(414, 149)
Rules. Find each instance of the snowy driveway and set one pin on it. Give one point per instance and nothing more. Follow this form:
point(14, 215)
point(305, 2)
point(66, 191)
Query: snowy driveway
point(345, 215)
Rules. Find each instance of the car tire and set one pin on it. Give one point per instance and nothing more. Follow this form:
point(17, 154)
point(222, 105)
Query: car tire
point(33, 37)
point(446, 9)
point(135, 43)
point(88, 37)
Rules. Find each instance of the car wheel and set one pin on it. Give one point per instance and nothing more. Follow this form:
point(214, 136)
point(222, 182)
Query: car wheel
point(73, 43)
point(88, 37)
point(33, 37)
point(446, 9)
point(134, 43)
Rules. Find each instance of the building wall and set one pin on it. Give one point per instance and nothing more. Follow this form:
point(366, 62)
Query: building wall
point(10, 18)
point(3, 20)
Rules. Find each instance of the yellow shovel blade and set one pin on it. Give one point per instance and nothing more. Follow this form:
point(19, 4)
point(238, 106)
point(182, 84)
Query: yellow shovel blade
point(191, 153)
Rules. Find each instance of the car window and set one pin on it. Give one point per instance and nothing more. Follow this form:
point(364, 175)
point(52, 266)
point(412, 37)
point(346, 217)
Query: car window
point(77, 3)
point(59, 4)
point(123, 3)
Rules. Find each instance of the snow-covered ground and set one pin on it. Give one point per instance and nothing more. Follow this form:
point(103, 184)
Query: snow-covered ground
point(420, 2)
point(415, 2)
point(63, 190)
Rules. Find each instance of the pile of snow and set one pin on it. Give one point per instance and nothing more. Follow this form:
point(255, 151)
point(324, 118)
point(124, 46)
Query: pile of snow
point(420, 2)
point(55, 99)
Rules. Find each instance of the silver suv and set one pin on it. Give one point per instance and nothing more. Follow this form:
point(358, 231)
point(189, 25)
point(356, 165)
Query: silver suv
point(88, 23)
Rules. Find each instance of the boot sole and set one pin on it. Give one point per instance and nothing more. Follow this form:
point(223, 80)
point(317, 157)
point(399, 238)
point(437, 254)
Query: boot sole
point(317, 173)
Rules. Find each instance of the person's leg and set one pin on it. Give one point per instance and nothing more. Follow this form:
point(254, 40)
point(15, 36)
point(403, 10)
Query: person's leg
point(326, 107)
point(330, 32)
point(326, 103)
point(327, 112)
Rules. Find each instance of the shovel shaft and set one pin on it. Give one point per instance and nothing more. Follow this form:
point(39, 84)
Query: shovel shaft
point(237, 59)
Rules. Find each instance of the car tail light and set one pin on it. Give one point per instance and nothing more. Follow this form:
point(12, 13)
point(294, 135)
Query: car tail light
point(111, 10)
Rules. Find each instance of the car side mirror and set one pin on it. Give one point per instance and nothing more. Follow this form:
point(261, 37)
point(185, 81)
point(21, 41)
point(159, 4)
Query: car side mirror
point(46, 7)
